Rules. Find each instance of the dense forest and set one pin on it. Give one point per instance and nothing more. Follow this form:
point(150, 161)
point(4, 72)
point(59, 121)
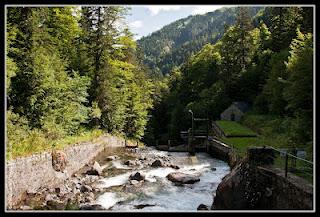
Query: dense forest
point(77, 72)
point(175, 43)
point(265, 60)
point(70, 70)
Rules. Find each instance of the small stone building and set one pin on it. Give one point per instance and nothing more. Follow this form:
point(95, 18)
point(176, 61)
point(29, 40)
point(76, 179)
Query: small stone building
point(235, 111)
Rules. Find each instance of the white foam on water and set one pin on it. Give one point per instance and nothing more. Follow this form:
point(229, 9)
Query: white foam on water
point(106, 165)
point(108, 199)
point(161, 172)
point(195, 169)
point(113, 181)
point(118, 165)
point(162, 193)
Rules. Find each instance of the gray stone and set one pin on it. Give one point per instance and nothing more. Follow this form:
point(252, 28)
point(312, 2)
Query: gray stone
point(91, 207)
point(56, 204)
point(174, 166)
point(141, 206)
point(157, 163)
point(203, 207)
point(85, 188)
point(178, 177)
point(130, 163)
point(95, 169)
point(137, 176)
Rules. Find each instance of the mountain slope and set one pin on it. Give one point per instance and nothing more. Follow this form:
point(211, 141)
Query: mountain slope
point(174, 43)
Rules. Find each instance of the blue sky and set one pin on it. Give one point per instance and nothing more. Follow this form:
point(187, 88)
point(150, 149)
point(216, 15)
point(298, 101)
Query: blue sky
point(145, 19)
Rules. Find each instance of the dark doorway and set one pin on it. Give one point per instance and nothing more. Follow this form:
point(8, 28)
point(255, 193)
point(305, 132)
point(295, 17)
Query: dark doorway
point(232, 117)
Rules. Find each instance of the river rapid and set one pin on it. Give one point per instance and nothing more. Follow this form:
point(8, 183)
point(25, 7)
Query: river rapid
point(114, 188)
point(156, 192)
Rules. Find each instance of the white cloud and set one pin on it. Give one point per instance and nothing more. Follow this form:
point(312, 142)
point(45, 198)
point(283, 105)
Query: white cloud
point(136, 24)
point(155, 9)
point(205, 9)
point(137, 37)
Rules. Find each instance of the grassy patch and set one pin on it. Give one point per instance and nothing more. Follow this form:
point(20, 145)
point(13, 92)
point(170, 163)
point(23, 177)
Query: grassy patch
point(35, 142)
point(233, 129)
point(241, 144)
point(272, 132)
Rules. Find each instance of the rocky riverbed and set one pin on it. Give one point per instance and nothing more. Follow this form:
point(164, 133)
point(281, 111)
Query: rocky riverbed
point(122, 179)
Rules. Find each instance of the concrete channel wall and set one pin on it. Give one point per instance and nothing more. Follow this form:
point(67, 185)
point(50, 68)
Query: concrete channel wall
point(27, 174)
point(222, 151)
point(249, 187)
point(254, 184)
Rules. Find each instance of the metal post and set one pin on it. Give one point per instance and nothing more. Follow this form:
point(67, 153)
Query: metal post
point(207, 128)
point(286, 166)
point(192, 124)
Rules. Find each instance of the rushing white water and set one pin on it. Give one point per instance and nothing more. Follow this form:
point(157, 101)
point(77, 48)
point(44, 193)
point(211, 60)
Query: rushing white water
point(108, 199)
point(160, 194)
point(113, 181)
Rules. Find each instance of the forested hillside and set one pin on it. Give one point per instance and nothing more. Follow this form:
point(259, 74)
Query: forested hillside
point(77, 72)
point(175, 43)
point(71, 70)
point(269, 65)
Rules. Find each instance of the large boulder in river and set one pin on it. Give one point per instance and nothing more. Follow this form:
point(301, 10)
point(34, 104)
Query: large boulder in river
point(95, 169)
point(157, 163)
point(182, 178)
point(137, 176)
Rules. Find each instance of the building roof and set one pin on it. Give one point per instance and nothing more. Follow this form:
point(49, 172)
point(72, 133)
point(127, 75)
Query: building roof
point(242, 106)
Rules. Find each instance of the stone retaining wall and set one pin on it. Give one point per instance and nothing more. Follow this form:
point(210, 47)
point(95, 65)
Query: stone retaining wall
point(27, 174)
point(249, 187)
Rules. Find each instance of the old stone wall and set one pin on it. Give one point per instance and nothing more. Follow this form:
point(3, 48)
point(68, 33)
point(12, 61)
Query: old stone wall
point(27, 174)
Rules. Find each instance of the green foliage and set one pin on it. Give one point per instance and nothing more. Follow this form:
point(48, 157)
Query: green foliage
point(299, 91)
point(175, 43)
point(70, 69)
point(251, 63)
point(95, 113)
point(273, 89)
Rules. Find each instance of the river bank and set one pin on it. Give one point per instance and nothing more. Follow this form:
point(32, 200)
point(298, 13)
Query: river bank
point(121, 179)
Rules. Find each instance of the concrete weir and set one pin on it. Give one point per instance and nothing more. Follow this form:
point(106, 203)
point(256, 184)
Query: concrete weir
point(27, 174)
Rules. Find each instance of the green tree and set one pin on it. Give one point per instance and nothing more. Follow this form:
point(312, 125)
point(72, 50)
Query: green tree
point(50, 97)
point(299, 91)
